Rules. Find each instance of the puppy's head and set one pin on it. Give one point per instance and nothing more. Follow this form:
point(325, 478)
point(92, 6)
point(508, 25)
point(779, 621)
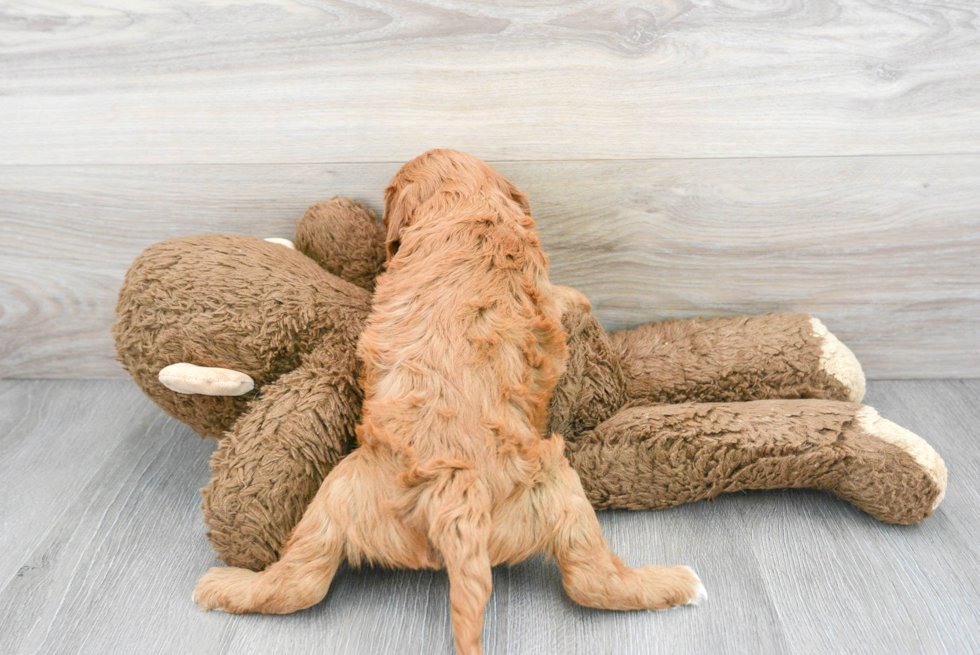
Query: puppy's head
point(447, 173)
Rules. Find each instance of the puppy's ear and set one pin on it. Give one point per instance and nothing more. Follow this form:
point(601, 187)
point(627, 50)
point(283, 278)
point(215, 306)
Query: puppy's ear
point(397, 216)
point(517, 195)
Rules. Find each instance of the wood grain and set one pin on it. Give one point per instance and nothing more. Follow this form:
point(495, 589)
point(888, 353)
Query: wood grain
point(874, 574)
point(43, 462)
point(886, 250)
point(787, 572)
point(112, 82)
point(111, 574)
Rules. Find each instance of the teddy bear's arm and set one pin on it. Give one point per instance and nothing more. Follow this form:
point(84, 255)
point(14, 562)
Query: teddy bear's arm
point(271, 463)
point(345, 238)
point(661, 456)
point(737, 358)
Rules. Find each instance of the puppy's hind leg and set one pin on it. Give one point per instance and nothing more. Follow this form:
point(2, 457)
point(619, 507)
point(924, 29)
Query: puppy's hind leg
point(459, 527)
point(305, 569)
point(592, 574)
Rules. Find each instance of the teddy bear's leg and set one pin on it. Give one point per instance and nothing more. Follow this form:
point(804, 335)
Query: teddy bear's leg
point(302, 577)
point(271, 463)
point(345, 238)
point(661, 456)
point(737, 358)
point(232, 313)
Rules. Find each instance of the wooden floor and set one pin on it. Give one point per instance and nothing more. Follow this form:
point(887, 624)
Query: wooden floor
point(102, 542)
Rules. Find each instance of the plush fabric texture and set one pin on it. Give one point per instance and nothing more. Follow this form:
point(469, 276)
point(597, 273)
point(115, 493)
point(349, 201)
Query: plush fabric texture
point(271, 463)
point(234, 302)
point(594, 386)
point(291, 319)
point(345, 238)
point(662, 456)
point(725, 359)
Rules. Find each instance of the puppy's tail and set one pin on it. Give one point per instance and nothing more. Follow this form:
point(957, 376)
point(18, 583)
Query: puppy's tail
point(459, 527)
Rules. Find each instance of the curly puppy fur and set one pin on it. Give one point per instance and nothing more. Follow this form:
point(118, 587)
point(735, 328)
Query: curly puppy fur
point(455, 469)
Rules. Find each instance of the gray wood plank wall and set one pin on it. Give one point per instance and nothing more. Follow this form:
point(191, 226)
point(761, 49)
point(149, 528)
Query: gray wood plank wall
point(682, 158)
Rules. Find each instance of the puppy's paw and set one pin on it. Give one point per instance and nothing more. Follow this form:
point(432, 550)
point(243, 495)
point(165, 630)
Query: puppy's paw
point(225, 588)
point(701, 593)
point(661, 587)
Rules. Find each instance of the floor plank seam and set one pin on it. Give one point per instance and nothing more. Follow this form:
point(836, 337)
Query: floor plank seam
point(570, 160)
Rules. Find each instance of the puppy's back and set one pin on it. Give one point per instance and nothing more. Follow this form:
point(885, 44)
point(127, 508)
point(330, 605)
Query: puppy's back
point(464, 345)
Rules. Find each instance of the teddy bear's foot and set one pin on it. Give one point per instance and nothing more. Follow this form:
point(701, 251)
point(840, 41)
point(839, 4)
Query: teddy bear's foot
point(837, 361)
point(915, 472)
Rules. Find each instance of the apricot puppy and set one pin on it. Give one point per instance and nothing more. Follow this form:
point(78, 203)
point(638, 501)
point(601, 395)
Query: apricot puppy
point(454, 470)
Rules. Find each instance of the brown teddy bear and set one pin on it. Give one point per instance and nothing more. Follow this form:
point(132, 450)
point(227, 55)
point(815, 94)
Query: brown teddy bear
point(252, 342)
